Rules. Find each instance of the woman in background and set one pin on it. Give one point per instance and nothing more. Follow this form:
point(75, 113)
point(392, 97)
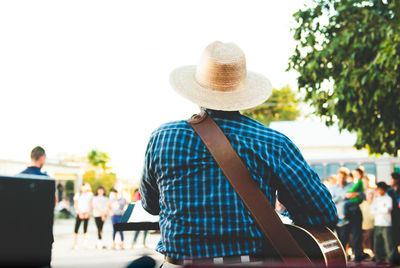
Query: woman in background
point(136, 235)
point(100, 204)
point(83, 207)
point(368, 223)
point(116, 206)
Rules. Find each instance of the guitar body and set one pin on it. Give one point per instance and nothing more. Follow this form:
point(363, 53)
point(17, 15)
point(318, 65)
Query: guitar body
point(320, 245)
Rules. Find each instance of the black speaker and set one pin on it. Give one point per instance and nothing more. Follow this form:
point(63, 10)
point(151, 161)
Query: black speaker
point(26, 220)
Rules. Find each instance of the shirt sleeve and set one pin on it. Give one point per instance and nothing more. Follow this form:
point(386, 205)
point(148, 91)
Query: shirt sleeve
point(337, 196)
point(300, 189)
point(148, 189)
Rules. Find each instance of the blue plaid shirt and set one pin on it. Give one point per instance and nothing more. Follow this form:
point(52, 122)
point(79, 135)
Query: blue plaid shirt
point(200, 213)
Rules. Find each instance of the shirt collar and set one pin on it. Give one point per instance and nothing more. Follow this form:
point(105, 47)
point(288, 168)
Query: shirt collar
point(35, 168)
point(222, 114)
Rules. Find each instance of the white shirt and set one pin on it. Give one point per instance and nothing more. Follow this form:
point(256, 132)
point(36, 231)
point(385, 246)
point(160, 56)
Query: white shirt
point(100, 203)
point(84, 201)
point(381, 208)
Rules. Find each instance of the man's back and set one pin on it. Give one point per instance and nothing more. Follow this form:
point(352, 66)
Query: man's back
point(200, 213)
point(33, 171)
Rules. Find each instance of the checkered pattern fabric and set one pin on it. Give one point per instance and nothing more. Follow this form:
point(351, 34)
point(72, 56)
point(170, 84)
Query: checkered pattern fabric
point(200, 213)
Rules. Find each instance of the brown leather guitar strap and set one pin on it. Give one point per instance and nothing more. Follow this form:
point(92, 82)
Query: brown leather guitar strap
point(247, 189)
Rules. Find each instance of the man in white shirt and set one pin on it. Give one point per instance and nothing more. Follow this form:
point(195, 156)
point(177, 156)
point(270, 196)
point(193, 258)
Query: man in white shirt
point(381, 207)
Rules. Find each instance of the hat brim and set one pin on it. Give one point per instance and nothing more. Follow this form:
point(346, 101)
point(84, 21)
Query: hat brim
point(256, 89)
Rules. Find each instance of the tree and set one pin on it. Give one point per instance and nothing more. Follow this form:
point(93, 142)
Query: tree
point(348, 60)
point(281, 106)
point(69, 189)
point(102, 177)
point(107, 180)
point(98, 159)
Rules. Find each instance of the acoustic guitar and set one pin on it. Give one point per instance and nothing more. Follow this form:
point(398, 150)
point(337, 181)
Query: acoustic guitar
point(321, 246)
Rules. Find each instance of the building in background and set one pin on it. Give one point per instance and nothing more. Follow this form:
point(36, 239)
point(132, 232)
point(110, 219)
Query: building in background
point(326, 149)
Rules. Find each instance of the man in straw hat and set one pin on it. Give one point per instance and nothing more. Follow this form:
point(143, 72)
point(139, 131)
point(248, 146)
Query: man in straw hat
point(201, 216)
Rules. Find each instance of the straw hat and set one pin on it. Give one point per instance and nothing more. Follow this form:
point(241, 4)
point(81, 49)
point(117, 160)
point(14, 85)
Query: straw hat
point(344, 170)
point(221, 81)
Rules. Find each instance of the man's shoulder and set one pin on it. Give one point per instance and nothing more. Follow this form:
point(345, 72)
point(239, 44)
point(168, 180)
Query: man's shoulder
point(387, 197)
point(335, 187)
point(392, 192)
point(171, 129)
point(173, 125)
point(34, 171)
point(261, 128)
point(244, 127)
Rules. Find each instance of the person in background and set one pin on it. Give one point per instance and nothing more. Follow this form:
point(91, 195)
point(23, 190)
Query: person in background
point(350, 177)
point(60, 190)
point(136, 195)
point(332, 180)
point(353, 225)
point(338, 191)
point(358, 173)
point(116, 206)
point(64, 208)
point(38, 159)
point(368, 223)
point(100, 205)
point(352, 204)
point(394, 193)
point(366, 183)
point(145, 232)
point(83, 208)
point(381, 207)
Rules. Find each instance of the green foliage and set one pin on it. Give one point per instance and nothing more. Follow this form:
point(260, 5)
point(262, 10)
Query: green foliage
point(107, 180)
point(281, 106)
point(98, 159)
point(69, 188)
point(348, 58)
point(90, 177)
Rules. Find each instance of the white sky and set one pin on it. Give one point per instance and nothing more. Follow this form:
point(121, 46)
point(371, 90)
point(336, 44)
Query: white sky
point(77, 75)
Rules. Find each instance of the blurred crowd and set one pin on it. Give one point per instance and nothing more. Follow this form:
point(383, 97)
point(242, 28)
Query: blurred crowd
point(98, 206)
point(369, 215)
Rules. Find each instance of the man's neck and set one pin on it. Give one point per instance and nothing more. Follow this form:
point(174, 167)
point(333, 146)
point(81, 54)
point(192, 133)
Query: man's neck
point(33, 164)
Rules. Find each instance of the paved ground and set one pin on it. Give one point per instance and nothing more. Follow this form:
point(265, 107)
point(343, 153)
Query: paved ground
point(64, 256)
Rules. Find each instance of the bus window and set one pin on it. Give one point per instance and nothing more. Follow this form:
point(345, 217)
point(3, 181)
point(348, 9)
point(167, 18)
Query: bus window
point(370, 168)
point(332, 169)
point(351, 166)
